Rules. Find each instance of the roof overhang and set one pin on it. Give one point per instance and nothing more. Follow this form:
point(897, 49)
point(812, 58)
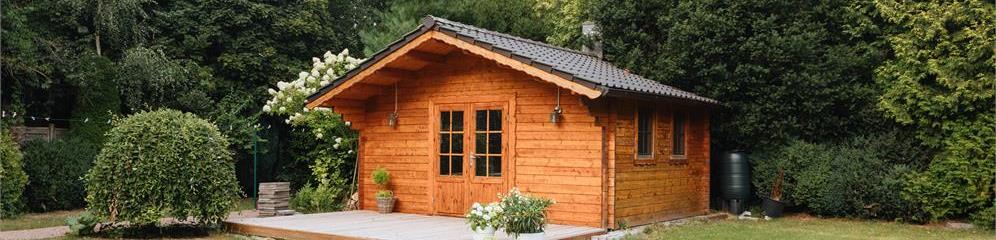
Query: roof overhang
point(407, 46)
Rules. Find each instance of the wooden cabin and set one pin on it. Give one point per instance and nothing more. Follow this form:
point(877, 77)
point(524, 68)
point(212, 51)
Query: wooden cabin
point(458, 114)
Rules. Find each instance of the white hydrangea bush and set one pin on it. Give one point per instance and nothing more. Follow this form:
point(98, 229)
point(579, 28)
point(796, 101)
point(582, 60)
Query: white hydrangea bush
point(288, 99)
point(326, 126)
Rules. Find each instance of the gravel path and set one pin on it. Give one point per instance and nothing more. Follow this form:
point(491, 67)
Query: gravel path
point(37, 233)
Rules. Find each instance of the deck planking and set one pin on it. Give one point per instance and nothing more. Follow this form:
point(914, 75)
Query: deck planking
point(371, 225)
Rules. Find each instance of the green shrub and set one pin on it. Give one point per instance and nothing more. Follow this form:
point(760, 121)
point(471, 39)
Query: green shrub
point(860, 178)
point(83, 224)
point(985, 218)
point(55, 170)
point(523, 214)
point(12, 177)
point(162, 163)
point(959, 180)
point(315, 200)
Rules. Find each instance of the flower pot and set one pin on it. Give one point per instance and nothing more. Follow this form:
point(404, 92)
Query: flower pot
point(532, 236)
point(772, 208)
point(385, 205)
point(487, 233)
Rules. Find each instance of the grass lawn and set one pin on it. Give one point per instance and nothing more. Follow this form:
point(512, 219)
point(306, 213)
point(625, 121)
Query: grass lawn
point(809, 228)
point(37, 220)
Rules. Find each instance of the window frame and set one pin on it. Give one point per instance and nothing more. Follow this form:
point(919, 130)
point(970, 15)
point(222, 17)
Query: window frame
point(644, 158)
point(684, 134)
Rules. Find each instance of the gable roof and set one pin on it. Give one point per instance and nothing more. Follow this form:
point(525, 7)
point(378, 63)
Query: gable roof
point(566, 63)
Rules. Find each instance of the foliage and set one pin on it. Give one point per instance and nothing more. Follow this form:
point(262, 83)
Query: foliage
point(317, 199)
point(810, 228)
point(959, 180)
point(566, 21)
point(12, 176)
point(823, 176)
point(381, 177)
point(83, 224)
point(162, 163)
point(149, 79)
point(782, 69)
point(940, 82)
point(55, 169)
point(523, 214)
point(986, 218)
point(481, 217)
point(121, 22)
point(523, 18)
point(99, 100)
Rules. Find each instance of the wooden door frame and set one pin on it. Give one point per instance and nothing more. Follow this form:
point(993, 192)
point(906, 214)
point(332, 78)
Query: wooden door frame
point(507, 151)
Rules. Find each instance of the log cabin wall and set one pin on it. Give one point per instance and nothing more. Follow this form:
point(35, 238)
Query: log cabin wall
point(560, 161)
point(660, 188)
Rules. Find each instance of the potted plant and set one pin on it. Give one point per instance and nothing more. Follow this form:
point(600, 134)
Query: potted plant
point(385, 198)
point(773, 205)
point(484, 220)
point(524, 216)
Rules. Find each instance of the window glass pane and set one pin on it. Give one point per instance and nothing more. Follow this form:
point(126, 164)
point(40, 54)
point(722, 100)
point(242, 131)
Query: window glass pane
point(444, 121)
point(482, 120)
point(480, 166)
point(480, 143)
point(494, 143)
point(457, 143)
point(495, 120)
point(644, 131)
point(494, 166)
point(457, 163)
point(457, 121)
point(678, 141)
point(444, 143)
point(444, 165)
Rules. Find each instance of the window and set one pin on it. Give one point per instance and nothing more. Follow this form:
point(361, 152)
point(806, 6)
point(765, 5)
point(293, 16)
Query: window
point(644, 132)
point(487, 137)
point(678, 136)
point(451, 143)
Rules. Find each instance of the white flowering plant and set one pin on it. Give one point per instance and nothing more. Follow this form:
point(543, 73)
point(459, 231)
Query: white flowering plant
point(523, 214)
point(325, 126)
point(481, 217)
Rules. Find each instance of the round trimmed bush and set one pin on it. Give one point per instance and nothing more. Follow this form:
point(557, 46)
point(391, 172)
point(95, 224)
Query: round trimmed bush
point(12, 177)
point(162, 163)
point(55, 169)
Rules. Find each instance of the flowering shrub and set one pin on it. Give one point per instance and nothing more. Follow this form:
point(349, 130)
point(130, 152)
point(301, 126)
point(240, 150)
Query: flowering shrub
point(481, 217)
point(523, 214)
point(330, 166)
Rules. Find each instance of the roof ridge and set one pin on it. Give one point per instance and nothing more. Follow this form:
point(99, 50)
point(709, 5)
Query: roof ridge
point(475, 28)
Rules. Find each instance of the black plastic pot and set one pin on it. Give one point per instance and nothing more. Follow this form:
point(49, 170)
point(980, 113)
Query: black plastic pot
point(772, 208)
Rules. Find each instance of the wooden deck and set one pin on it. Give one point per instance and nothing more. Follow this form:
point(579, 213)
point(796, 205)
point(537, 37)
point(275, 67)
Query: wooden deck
point(371, 225)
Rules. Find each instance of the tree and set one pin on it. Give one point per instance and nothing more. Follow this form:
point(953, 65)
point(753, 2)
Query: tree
point(941, 82)
point(523, 18)
point(782, 69)
point(121, 21)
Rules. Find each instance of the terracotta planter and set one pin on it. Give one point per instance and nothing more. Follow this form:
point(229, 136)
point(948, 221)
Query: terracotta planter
point(385, 205)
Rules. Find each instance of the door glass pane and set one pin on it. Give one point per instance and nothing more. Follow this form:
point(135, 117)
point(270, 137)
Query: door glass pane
point(481, 142)
point(494, 143)
point(457, 143)
point(457, 164)
point(480, 166)
point(457, 121)
point(444, 143)
point(495, 120)
point(444, 165)
point(444, 121)
point(494, 166)
point(481, 120)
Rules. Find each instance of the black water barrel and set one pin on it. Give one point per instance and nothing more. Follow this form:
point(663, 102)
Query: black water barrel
point(734, 176)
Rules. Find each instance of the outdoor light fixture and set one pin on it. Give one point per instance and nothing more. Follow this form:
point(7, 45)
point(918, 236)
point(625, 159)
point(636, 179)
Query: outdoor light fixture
point(392, 119)
point(556, 110)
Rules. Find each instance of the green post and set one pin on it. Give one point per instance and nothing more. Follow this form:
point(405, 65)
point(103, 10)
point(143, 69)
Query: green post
point(255, 136)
